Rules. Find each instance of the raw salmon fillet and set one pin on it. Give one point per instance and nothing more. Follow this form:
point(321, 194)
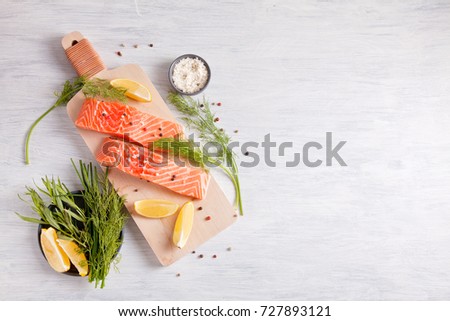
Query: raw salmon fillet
point(122, 121)
point(154, 167)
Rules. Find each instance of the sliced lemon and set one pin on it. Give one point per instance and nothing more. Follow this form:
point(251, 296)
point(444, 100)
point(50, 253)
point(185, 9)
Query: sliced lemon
point(155, 208)
point(75, 255)
point(54, 254)
point(134, 89)
point(183, 225)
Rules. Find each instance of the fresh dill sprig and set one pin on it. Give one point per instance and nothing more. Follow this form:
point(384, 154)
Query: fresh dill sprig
point(184, 148)
point(70, 88)
point(199, 117)
point(95, 227)
point(92, 88)
point(105, 220)
point(101, 88)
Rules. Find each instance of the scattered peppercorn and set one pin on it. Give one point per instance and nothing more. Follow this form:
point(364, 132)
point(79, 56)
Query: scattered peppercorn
point(236, 131)
point(150, 45)
point(213, 104)
point(200, 256)
point(122, 45)
point(193, 252)
point(219, 104)
point(159, 128)
point(144, 129)
point(214, 256)
point(235, 215)
point(216, 119)
point(160, 134)
point(208, 218)
point(200, 208)
point(201, 105)
point(178, 275)
point(135, 46)
point(136, 190)
point(131, 123)
point(229, 249)
point(246, 153)
point(221, 129)
point(103, 114)
point(124, 114)
point(119, 53)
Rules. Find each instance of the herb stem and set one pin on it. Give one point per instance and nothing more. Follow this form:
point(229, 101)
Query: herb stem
point(199, 117)
point(95, 87)
point(95, 226)
point(238, 189)
point(30, 131)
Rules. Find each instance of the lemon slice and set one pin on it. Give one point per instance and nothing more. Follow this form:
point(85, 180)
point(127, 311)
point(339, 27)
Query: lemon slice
point(75, 255)
point(183, 225)
point(134, 89)
point(54, 254)
point(155, 208)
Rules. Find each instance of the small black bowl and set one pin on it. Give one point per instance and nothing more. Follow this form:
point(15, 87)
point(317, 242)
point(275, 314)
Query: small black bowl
point(172, 66)
point(80, 202)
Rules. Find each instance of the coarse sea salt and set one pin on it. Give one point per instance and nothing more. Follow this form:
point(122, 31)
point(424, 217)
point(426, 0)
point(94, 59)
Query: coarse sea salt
point(190, 75)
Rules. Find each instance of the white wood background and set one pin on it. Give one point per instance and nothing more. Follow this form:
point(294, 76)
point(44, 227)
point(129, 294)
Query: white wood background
point(375, 73)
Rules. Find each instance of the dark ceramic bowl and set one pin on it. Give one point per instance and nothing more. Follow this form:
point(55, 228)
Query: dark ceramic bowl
point(174, 63)
point(80, 202)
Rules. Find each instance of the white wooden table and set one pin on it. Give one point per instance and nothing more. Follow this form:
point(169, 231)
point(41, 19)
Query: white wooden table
point(375, 75)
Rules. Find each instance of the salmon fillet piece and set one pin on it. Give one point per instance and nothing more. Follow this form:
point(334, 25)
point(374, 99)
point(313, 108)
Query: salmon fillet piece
point(154, 167)
point(121, 120)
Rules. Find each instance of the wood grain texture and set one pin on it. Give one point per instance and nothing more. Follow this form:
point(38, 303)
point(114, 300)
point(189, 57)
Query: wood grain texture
point(374, 73)
point(158, 232)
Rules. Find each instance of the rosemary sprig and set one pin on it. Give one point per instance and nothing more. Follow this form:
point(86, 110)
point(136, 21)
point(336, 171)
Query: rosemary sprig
point(95, 88)
point(199, 117)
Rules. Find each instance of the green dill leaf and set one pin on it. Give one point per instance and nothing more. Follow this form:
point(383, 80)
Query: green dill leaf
point(96, 227)
point(101, 88)
point(199, 117)
point(105, 220)
point(63, 97)
point(94, 88)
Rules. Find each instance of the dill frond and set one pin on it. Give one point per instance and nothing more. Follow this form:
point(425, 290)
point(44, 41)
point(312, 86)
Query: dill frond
point(101, 88)
point(199, 117)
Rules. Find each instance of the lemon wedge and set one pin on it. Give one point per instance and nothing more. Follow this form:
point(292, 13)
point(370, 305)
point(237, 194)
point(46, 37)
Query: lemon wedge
point(54, 254)
point(155, 208)
point(75, 255)
point(134, 89)
point(183, 225)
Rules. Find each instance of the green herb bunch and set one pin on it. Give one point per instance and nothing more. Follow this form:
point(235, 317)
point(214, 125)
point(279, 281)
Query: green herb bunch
point(61, 212)
point(95, 227)
point(199, 117)
point(105, 220)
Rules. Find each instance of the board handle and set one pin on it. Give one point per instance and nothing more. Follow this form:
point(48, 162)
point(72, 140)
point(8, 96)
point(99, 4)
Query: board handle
point(82, 55)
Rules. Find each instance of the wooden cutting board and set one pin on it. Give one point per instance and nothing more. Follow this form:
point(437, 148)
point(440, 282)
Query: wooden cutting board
point(157, 232)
